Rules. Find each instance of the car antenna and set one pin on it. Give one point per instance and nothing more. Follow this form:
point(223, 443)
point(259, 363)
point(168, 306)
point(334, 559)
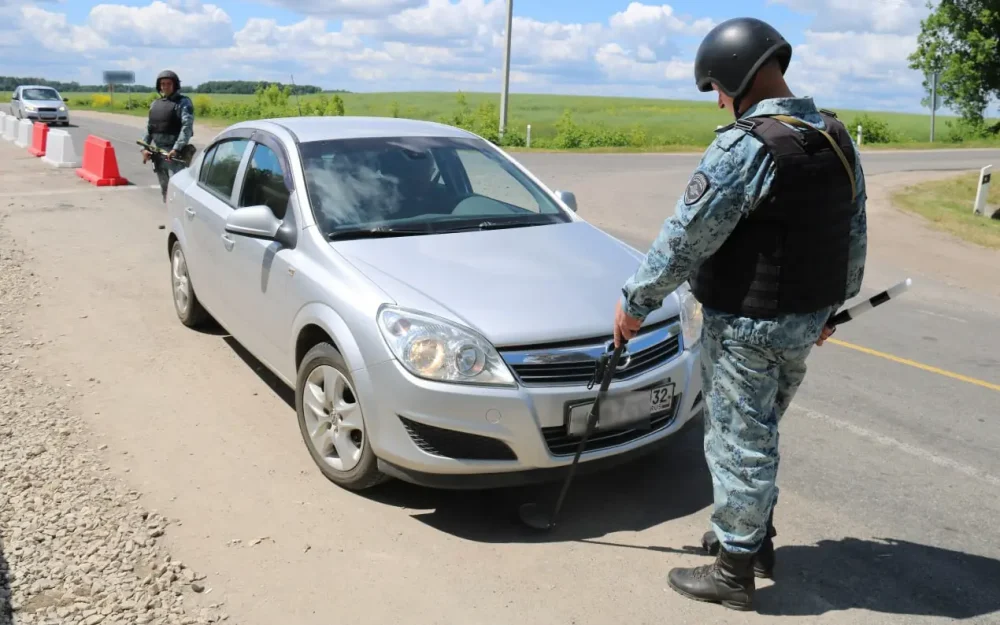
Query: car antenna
point(295, 89)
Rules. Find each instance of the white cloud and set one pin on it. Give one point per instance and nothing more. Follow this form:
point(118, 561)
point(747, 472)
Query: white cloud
point(192, 24)
point(899, 17)
point(56, 34)
point(853, 55)
point(339, 9)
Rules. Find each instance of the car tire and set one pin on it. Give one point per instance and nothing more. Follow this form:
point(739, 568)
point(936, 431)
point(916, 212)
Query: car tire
point(322, 410)
point(189, 309)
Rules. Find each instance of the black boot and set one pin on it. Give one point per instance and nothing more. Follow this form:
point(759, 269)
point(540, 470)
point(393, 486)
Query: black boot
point(763, 565)
point(728, 581)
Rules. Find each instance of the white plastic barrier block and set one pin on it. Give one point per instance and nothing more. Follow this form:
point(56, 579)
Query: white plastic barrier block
point(979, 208)
point(59, 150)
point(10, 128)
point(23, 133)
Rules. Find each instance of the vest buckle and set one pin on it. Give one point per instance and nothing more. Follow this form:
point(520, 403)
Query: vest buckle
point(746, 125)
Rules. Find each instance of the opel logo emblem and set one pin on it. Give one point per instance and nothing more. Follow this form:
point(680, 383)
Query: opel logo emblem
point(625, 359)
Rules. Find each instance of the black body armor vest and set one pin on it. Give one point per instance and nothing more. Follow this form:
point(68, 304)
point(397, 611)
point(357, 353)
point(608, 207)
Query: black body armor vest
point(790, 253)
point(163, 117)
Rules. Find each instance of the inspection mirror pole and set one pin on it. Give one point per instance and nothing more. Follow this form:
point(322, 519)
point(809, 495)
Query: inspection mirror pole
point(506, 69)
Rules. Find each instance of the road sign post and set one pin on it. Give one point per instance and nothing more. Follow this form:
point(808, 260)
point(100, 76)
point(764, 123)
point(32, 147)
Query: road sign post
point(119, 77)
point(934, 101)
point(506, 70)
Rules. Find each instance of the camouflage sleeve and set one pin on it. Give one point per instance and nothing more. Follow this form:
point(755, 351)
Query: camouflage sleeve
point(726, 182)
point(187, 124)
point(859, 232)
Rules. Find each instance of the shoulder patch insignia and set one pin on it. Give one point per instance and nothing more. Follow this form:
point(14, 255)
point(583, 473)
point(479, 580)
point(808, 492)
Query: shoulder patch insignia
point(696, 188)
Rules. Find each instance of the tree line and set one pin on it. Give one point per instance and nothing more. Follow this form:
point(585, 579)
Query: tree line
point(244, 87)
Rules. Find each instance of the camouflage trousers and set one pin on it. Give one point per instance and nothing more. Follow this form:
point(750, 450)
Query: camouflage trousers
point(747, 388)
point(164, 170)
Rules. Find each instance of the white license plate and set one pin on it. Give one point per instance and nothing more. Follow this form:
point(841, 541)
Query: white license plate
point(620, 411)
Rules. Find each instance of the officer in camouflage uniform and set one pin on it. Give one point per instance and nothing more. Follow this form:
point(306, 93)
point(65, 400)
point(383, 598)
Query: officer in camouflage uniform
point(771, 232)
point(170, 127)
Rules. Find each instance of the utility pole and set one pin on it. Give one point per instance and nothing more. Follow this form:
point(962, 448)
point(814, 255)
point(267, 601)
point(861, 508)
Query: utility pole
point(506, 70)
point(934, 102)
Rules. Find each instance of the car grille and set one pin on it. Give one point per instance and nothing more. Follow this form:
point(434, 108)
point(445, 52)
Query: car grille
point(458, 445)
point(562, 444)
point(567, 364)
point(46, 110)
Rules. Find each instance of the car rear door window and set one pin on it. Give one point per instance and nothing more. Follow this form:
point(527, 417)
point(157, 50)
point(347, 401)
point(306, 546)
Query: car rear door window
point(265, 182)
point(222, 163)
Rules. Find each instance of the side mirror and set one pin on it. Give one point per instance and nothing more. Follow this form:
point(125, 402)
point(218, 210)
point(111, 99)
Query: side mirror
point(65, 99)
point(258, 222)
point(568, 199)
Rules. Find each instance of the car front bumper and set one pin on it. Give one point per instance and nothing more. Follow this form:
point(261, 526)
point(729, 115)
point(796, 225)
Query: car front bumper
point(50, 117)
point(460, 436)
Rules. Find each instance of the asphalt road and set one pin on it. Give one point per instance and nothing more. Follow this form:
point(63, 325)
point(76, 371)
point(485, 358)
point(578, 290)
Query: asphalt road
point(890, 474)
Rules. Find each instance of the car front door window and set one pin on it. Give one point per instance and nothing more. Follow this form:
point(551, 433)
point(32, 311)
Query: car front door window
point(220, 177)
point(265, 182)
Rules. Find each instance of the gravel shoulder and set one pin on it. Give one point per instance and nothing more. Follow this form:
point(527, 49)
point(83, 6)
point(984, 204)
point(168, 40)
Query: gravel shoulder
point(78, 546)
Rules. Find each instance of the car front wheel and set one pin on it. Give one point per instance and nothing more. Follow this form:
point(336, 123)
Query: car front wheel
point(189, 309)
point(331, 421)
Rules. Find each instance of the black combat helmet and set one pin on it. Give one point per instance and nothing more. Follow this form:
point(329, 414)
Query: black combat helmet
point(172, 76)
point(733, 52)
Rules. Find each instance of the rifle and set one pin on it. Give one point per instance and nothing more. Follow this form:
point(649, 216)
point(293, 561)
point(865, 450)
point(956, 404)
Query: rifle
point(187, 151)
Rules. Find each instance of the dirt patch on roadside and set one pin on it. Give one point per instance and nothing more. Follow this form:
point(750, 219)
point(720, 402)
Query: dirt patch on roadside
point(908, 241)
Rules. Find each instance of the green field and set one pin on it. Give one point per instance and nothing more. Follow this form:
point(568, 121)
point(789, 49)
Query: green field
point(557, 122)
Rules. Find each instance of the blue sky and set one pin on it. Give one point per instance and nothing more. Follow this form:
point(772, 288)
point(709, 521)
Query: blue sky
point(847, 53)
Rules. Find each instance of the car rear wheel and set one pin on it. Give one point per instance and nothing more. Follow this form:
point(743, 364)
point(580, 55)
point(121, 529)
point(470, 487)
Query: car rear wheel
point(331, 420)
point(189, 309)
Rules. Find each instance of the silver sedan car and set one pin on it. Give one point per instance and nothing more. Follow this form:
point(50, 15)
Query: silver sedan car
point(39, 103)
point(438, 311)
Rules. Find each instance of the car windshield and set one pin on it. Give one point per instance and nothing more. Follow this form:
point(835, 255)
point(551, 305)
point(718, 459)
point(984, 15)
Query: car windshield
point(419, 185)
point(40, 94)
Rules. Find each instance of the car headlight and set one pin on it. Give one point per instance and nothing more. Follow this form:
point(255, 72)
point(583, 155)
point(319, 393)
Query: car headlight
point(435, 349)
point(62, 109)
point(29, 107)
point(691, 320)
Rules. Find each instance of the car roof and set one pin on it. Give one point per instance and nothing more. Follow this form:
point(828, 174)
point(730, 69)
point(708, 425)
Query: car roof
point(37, 87)
point(357, 127)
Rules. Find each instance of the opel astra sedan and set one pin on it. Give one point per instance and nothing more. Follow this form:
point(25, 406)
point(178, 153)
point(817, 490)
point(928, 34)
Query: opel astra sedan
point(437, 309)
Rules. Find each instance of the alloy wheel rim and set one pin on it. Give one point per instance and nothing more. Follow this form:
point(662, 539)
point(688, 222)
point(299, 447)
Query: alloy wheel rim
point(181, 282)
point(333, 418)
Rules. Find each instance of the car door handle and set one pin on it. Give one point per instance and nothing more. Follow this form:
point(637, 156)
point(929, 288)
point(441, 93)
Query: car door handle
point(228, 242)
point(189, 211)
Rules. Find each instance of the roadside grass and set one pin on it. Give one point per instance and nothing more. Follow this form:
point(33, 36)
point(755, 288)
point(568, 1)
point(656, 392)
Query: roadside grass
point(947, 204)
point(558, 123)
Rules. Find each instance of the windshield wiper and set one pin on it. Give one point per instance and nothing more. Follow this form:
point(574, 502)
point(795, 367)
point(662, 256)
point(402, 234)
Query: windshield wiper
point(377, 232)
point(491, 225)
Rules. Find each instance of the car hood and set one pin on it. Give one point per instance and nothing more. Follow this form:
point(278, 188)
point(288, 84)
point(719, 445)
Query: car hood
point(46, 103)
point(515, 286)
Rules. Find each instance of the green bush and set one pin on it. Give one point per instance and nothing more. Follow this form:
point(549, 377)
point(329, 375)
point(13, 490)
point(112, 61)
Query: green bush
point(960, 130)
point(873, 130)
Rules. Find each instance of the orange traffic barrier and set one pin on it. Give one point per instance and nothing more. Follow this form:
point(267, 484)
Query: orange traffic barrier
point(39, 137)
point(100, 166)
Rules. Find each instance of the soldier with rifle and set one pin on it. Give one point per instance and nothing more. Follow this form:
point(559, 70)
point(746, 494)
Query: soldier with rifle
point(169, 130)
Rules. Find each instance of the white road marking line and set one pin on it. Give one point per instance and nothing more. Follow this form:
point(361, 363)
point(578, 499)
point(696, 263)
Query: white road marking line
point(81, 189)
point(888, 441)
point(934, 314)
